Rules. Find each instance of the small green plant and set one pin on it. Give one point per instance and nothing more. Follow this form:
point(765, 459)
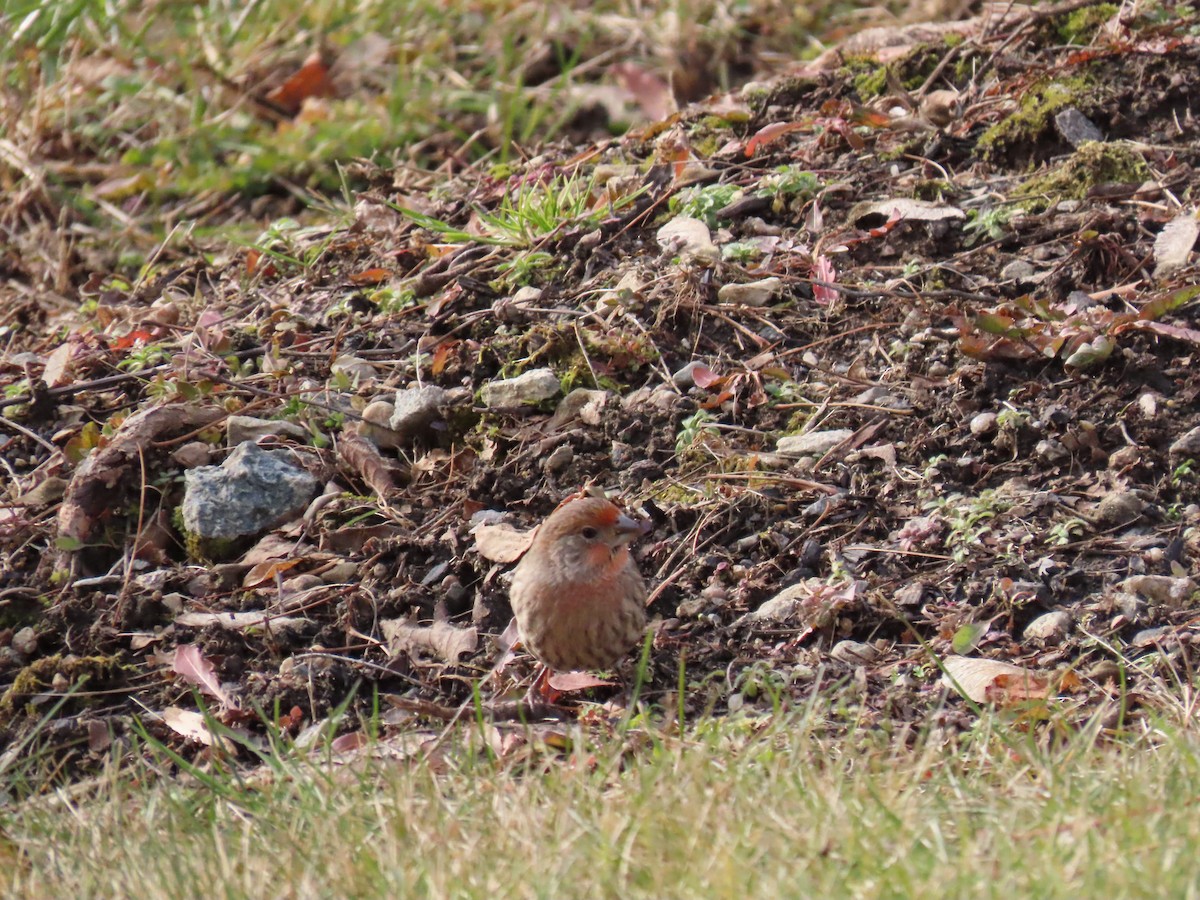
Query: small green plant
point(1183, 472)
point(988, 223)
point(741, 252)
point(703, 203)
point(1063, 533)
point(393, 300)
point(144, 356)
point(692, 428)
point(790, 181)
point(523, 268)
point(968, 519)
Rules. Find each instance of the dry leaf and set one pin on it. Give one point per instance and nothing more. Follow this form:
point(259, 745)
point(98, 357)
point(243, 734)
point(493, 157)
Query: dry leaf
point(1173, 245)
point(501, 543)
point(240, 621)
point(196, 668)
point(992, 681)
point(192, 725)
point(441, 639)
point(566, 682)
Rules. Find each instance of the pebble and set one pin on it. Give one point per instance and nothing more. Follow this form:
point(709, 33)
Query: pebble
point(1050, 627)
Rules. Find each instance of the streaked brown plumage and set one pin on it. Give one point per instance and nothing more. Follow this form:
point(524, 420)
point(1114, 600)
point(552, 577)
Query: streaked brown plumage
point(577, 594)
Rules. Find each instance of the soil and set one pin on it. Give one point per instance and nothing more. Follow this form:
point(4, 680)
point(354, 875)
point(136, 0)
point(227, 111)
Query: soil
point(1005, 369)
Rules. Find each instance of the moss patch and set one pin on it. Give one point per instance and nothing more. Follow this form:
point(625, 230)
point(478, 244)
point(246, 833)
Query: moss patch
point(1095, 162)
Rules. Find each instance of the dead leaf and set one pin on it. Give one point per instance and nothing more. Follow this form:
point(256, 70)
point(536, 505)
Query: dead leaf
point(240, 621)
point(501, 543)
point(55, 372)
point(441, 639)
point(265, 572)
point(993, 681)
point(1174, 243)
point(310, 80)
point(904, 208)
point(191, 725)
point(566, 682)
point(196, 668)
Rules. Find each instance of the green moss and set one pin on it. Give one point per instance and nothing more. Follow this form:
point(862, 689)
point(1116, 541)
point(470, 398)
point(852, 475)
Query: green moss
point(870, 78)
point(1081, 25)
point(38, 675)
point(1094, 163)
point(1038, 106)
point(933, 189)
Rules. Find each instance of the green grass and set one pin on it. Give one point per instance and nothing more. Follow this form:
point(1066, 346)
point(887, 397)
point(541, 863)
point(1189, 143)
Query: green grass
point(736, 809)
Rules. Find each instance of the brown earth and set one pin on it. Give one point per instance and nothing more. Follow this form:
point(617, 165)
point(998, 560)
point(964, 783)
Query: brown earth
point(1010, 362)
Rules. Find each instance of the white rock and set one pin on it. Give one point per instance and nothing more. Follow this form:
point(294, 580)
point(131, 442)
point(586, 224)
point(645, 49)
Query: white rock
point(532, 387)
point(1050, 627)
point(752, 293)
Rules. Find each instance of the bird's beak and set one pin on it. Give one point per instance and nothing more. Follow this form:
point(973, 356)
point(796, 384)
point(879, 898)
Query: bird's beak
point(629, 529)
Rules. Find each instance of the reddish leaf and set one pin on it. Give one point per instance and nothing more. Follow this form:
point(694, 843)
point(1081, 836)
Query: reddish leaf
point(704, 377)
point(770, 133)
point(371, 276)
point(197, 669)
point(567, 682)
point(310, 80)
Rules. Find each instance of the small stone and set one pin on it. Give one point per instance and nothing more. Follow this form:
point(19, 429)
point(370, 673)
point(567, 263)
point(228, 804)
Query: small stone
point(353, 367)
point(558, 461)
point(1051, 627)
point(752, 293)
point(983, 423)
point(685, 378)
point(1166, 591)
point(854, 653)
point(1148, 637)
point(814, 443)
point(1119, 508)
point(533, 386)
point(415, 410)
point(1018, 270)
point(192, 454)
point(240, 429)
point(1075, 128)
point(583, 404)
point(1187, 445)
point(1051, 452)
point(1125, 458)
point(25, 641)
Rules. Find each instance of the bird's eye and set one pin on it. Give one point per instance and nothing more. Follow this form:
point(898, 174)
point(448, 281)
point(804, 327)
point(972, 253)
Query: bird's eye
point(590, 533)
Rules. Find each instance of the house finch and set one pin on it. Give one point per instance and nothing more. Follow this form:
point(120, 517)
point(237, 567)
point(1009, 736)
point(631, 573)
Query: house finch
point(577, 594)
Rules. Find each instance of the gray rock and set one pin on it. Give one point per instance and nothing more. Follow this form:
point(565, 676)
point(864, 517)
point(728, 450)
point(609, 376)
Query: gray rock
point(583, 404)
point(1119, 508)
point(1075, 128)
point(415, 410)
point(532, 387)
point(558, 461)
point(1018, 270)
point(25, 641)
point(1050, 627)
point(251, 491)
point(813, 443)
point(1188, 444)
point(854, 653)
point(753, 293)
point(1051, 452)
point(1167, 591)
point(240, 429)
point(685, 378)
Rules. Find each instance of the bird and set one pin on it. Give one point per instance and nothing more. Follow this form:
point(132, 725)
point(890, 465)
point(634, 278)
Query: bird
point(577, 595)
